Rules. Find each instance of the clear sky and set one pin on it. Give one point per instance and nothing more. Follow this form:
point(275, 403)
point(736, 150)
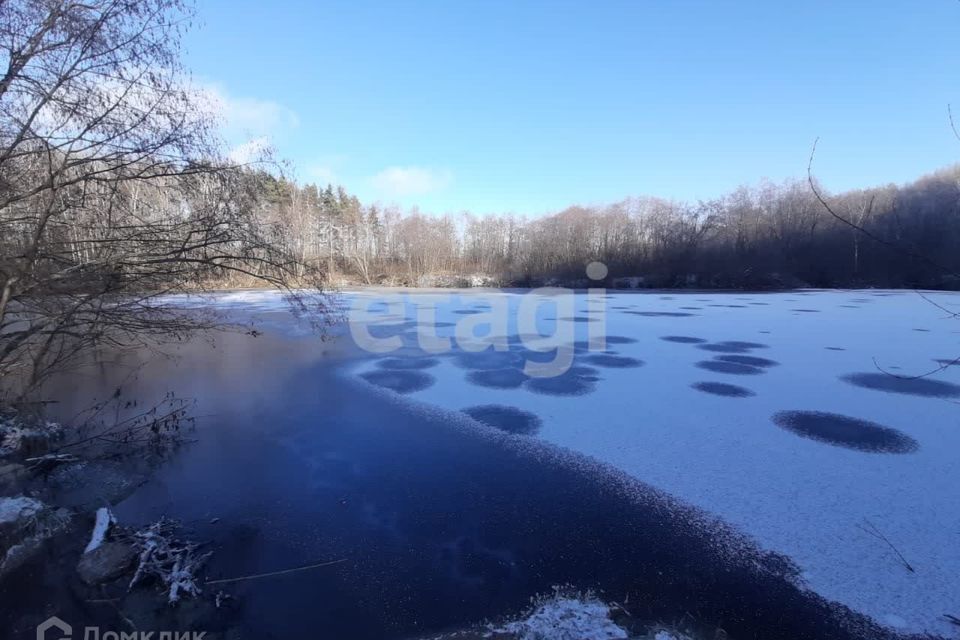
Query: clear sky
point(523, 106)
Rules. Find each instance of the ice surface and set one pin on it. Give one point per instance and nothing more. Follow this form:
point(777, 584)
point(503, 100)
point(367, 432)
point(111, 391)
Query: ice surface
point(804, 498)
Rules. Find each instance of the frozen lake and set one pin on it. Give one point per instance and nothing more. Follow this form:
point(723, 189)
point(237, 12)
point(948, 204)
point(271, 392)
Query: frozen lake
point(780, 413)
point(740, 456)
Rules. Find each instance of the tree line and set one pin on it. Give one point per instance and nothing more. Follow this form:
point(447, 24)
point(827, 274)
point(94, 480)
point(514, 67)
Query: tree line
point(767, 236)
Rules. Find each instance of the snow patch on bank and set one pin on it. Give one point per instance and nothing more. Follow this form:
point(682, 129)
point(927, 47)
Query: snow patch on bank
point(561, 617)
point(13, 510)
point(104, 520)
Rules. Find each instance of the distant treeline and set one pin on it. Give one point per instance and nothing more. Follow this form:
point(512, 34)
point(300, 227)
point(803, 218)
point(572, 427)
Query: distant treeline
point(769, 236)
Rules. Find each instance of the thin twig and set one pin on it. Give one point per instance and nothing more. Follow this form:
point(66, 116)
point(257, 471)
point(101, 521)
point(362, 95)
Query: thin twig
point(950, 314)
point(872, 530)
point(946, 365)
point(276, 573)
point(952, 123)
point(891, 245)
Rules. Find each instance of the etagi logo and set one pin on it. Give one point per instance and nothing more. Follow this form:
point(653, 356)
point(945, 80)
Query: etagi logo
point(64, 629)
point(387, 323)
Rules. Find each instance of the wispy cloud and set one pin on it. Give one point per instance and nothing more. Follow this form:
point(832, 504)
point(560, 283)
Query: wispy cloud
point(249, 125)
point(398, 182)
point(248, 114)
point(321, 174)
point(250, 151)
point(325, 169)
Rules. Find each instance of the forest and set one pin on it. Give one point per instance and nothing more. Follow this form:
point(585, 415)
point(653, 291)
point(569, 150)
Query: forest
point(757, 237)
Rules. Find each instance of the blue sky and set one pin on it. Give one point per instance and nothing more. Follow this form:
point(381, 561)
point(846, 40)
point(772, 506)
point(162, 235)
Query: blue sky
point(527, 107)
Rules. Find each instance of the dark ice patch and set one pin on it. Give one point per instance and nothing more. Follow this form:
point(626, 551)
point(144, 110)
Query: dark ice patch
point(843, 431)
point(400, 381)
point(576, 381)
point(732, 368)
point(924, 387)
point(381, 331)
point(745, 344)
point(723, 389)
point(752, 361)
point(488, 359)
point(509, 419)
point(683, 339)
point(409, 351)
point(498, 378)
point(612, 361)
point(731, 346)
point(660, 314)
point(406, 364)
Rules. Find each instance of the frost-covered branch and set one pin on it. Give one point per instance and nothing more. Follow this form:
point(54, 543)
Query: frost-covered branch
point(173, 562)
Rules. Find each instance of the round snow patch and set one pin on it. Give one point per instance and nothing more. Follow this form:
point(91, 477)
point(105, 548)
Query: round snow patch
point(843, 431)
point(508, 419)
point(723, 389)
point(752, 361)
point(407, 363)
point(718, 366)
point(612, 361)
point(683, 339)
point(400, 381)
point(910, 386)
point(497, 378)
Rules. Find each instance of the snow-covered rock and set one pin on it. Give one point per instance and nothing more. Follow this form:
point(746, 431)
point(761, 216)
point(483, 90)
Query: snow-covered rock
point(20, 439)
point(24, 524)
point(16, 511)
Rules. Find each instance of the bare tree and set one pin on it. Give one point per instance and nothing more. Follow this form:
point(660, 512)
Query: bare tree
point(113, 189)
